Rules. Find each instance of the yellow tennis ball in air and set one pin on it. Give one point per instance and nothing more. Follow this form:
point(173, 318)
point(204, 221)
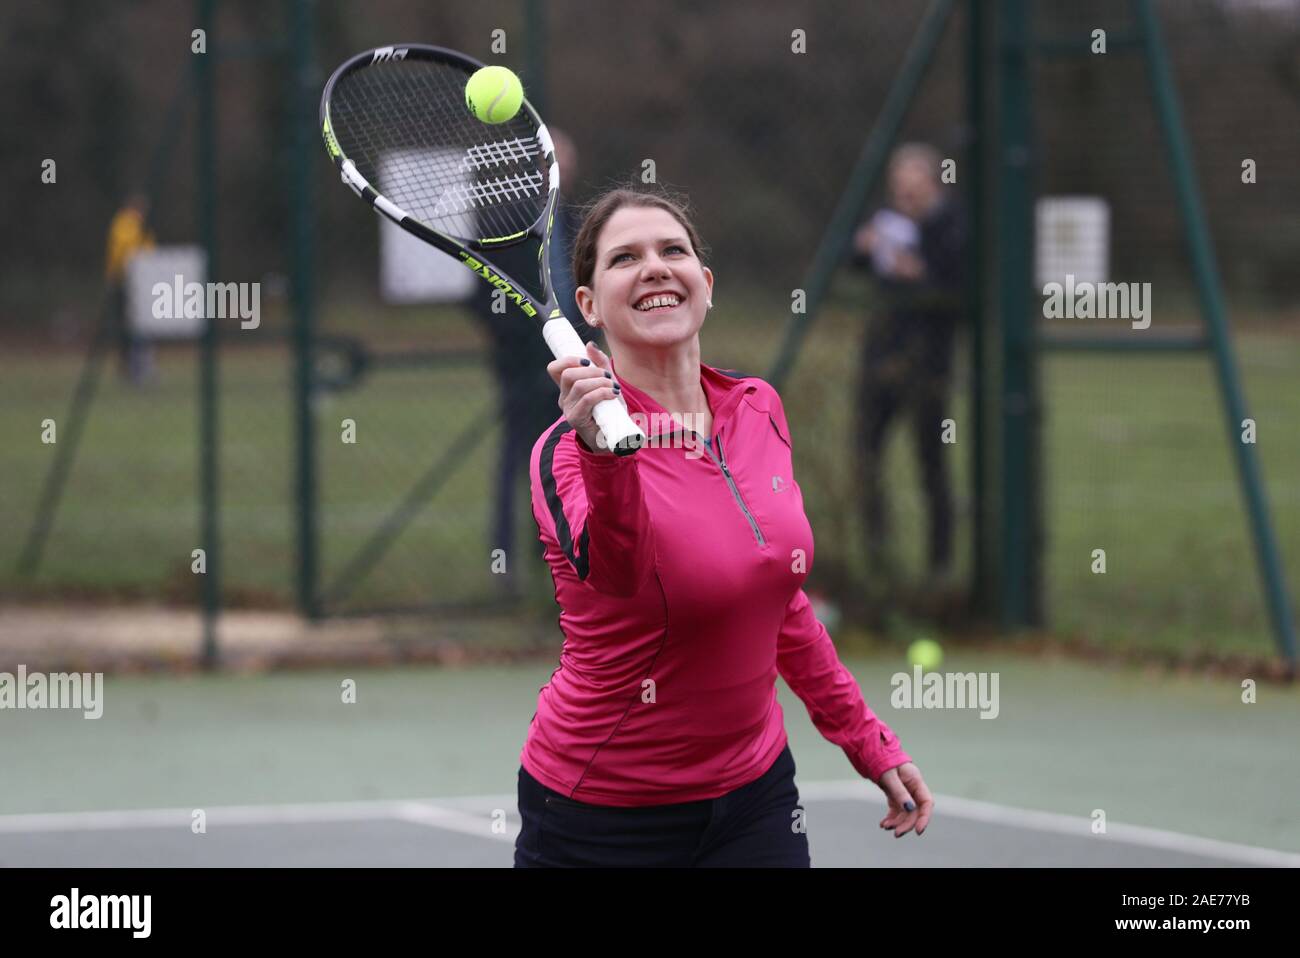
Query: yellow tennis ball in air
point(493, 94)
point(926, 653)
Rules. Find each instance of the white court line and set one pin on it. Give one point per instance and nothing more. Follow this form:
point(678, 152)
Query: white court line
point(1076, 826)
point(458, 813)
point(219, 814)
point(422, 813)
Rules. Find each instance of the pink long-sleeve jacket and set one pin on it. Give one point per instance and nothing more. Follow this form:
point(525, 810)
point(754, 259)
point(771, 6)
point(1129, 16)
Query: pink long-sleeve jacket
point(679, 574)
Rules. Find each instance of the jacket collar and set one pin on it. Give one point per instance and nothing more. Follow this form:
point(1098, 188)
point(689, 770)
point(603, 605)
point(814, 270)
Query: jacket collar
point(724, 394)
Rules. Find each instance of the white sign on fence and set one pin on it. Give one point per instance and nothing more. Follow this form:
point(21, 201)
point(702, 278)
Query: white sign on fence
point(147, 269)
point(1073, 238)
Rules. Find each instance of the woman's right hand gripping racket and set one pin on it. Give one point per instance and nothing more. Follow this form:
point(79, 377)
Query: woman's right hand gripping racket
point(396, 125)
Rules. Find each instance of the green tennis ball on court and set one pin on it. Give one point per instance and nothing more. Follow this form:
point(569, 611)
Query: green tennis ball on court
point(493, 94)
point(926, 653)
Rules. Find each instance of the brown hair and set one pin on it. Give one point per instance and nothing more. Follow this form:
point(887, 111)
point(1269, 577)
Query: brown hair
point(596, 214)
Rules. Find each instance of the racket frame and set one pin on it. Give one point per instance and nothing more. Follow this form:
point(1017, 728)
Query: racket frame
point(618, 431)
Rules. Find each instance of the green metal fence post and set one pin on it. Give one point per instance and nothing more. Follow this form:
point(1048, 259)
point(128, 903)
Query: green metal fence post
point(302, 100)
point(205, 141)
point(1016, 401)
point(535, 54)
point(976, 203)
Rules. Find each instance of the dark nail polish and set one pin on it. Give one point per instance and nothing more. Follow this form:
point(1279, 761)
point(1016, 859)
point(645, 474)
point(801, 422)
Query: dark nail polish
point(586, 362)
point(909, 807)
point(617, 388)
point(608, 374)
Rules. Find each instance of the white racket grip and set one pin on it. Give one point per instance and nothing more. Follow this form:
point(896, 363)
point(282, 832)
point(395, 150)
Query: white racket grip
point(617, 429)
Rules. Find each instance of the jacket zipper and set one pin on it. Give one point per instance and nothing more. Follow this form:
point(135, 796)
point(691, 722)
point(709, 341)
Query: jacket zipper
point(721, 460)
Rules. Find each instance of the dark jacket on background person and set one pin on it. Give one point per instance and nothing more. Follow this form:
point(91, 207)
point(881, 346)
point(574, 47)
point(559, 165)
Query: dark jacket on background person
point(920, 316)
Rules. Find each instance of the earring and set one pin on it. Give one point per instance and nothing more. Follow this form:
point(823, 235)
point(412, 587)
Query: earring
point(710, 304)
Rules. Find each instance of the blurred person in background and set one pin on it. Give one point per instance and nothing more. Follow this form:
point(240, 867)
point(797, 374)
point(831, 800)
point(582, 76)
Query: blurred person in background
point(128, 234)
point(520, 356)
point(915, 249)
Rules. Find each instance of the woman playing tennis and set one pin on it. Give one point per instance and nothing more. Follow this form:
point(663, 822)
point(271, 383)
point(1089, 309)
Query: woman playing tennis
point(678, 571)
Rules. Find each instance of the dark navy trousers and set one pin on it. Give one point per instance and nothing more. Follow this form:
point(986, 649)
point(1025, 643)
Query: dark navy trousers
point(759, 825)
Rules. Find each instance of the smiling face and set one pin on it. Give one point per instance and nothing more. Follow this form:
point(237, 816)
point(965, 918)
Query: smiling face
point(648, 287)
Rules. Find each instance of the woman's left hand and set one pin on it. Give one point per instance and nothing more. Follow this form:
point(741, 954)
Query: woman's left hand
point(910, 804)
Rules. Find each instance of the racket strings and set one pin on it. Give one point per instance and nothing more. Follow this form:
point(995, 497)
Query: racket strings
point(405, 126)
point(496, 153)
point(488, 193)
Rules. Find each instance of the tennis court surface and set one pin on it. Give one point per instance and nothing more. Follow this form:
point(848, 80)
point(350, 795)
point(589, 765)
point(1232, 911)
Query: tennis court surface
point(420, 771)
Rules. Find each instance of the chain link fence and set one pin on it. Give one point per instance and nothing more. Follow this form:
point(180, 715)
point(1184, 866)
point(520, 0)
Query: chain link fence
point(759, 113)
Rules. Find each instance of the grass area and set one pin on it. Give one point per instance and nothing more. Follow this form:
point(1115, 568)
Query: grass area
point(129, 518)
point(1139, 463)
point(1135, 457)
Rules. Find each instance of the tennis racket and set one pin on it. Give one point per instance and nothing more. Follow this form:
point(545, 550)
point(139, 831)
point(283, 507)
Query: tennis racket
point(397, 127)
